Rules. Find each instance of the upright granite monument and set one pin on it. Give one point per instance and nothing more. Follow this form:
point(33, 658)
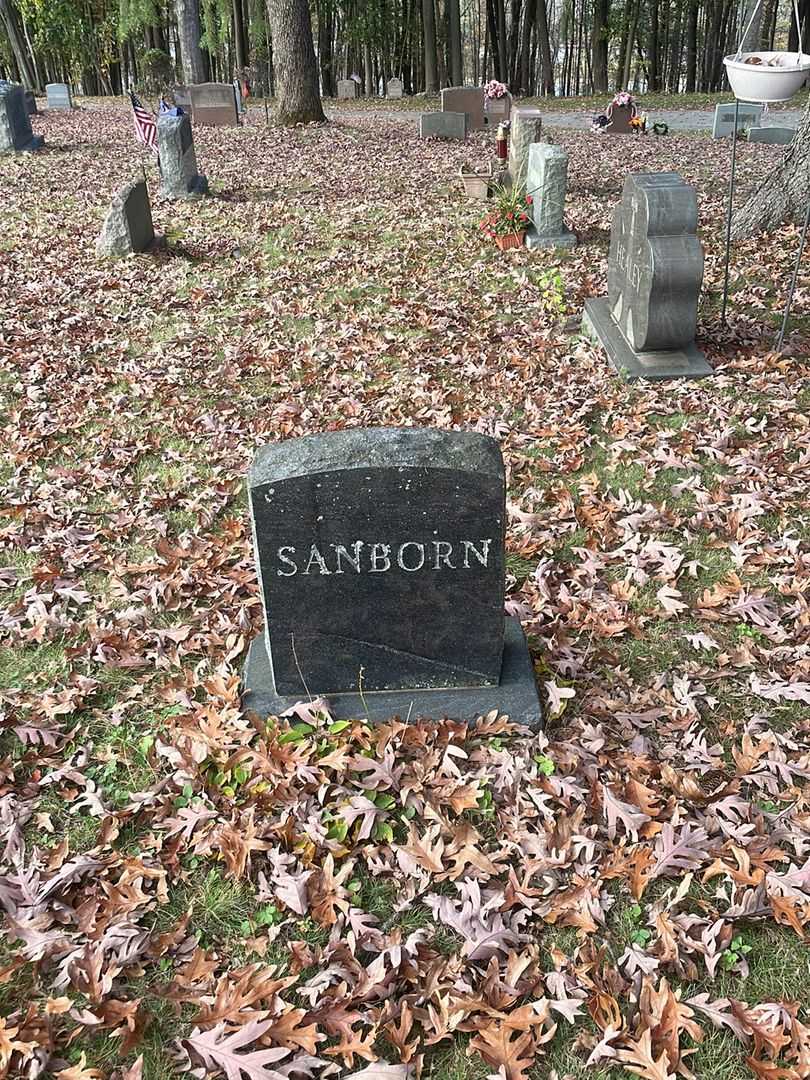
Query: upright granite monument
point(127, 228)
point(347, 90)
point(546, 182)
point(466, 99)
point(655, 271)
point(15, 124)
point(179, 178)
point(748, 116)
point(381, 561)
point(58, 96)
point(394, 88)
point(214, 104)
point(527, 127)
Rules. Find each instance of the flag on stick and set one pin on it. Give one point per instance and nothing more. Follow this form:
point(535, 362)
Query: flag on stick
point(145, 126)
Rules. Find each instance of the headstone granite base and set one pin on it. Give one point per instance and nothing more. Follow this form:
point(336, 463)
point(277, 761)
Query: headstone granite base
point(536, 242)
point(688, 362)
point(514, 696)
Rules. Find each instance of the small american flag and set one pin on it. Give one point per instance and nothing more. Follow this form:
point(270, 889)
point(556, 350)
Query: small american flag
point(145, 126)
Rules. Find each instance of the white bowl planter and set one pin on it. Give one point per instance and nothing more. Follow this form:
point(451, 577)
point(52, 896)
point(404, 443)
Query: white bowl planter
point(777, 78)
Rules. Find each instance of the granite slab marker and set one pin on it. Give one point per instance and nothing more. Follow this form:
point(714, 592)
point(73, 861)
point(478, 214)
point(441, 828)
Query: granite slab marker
point(620, 117)
point(347, 90)
point(16, 134)
point(179, 178)
point(214, 104)
point(58, 96)
point(776, 136)
point(468, 100)
point(443, 125)
point(655, 271)
point(498, 110)
point(394, 88)
point(546, 182)
point(381, 563)
point(749, 116)
point(527, 125)
point(128, 227)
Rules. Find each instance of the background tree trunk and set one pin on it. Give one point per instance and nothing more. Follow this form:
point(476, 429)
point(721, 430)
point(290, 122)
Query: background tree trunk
point(188, 31)
point(783, 194)
point(429, 34)
point(8, 14)
point(599, 45)
point(454, 41)
point(298, 100)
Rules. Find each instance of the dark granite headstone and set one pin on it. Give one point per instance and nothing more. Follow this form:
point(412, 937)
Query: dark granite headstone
point(776, 136)
point(214, 104)
point(31, 103)
point(127, 228)
point(15, 124)
point(381, 561)
point(468, 100)
point(655, 271)
point(619, 118)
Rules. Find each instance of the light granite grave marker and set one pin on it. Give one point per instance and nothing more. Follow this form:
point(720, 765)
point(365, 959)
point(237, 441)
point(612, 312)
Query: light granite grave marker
point(58, 96)
point(546, 182)
point(394, 89)
point(749, 116)
point(347, 89)
point(526, 129)
point(443, 125)
point(381, 562)
point(655, 270)
point(498, 110)
point(776, 136)
point(214, 104)
point(127, 228)
point(15, 124)
point(179, 178)
point(466, 99)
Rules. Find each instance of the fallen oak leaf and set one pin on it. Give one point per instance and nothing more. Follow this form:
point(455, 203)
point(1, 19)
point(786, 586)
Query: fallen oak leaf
point(218, 1051)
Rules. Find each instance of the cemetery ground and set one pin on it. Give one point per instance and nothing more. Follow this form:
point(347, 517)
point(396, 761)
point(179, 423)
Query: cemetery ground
point(630, 888)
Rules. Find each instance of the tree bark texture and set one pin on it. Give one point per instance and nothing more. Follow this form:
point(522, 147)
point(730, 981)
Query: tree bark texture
point(188, 31)
point(429, 33)
point(298, 100)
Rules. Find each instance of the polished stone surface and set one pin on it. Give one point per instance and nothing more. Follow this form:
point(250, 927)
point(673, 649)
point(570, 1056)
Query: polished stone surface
point(656, 365)
point(15, 124)
point(468, 100)
point(214, 104)
point(514, 695)
point(749, 116)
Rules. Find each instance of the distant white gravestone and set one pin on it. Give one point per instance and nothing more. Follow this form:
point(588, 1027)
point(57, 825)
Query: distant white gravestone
point(347, 89)
point(59, 96)
point(748, 116)
point(395, 88)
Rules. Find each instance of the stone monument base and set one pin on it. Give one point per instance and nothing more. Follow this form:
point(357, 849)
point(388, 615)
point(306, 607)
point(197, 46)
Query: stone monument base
point(36, 143)
point(534, 241)
point(515, 695)
point(598, 325)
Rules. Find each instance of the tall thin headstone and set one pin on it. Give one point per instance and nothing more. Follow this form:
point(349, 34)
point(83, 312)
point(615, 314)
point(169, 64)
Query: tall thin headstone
point(527, 125)
point(179, 178)
point(15, 124)
point(546, 182)
point(381, 562)
point(655, 271)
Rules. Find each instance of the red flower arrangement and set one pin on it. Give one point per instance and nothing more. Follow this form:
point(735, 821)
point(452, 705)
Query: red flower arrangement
point(509, 216)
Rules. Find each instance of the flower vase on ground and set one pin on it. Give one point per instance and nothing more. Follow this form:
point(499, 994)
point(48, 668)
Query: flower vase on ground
point(507, 222)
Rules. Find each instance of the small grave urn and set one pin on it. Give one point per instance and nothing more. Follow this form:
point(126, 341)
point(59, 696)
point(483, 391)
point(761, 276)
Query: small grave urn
point(381, 563)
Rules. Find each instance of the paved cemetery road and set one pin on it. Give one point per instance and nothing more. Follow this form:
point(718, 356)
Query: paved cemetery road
point(676, 119)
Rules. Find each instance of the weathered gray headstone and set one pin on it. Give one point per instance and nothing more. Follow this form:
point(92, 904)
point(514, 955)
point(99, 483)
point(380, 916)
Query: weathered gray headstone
point(466, 99)
point(381, 562)
point(546, 182)
point(15, 123)
point(347, 89)
point(179, 178)
point(214, 104)
point(526, 129)
point(749, 116)
point(655, 271)
point(128, 225)
point(58, 95)
point(31, 103)
point(777, 136)
point(443, 125)
point(498, 110)
point(394, 89)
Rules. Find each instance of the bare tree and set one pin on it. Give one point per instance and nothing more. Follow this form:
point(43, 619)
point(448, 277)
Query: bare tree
point(188, 31)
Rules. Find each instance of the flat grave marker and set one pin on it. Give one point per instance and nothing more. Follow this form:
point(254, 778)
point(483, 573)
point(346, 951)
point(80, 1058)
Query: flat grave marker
point(381, 563)
point(776, 135)
point(443, 125)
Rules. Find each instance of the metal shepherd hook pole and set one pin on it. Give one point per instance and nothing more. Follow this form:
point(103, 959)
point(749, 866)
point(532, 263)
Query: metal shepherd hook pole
point(730, 207)
point(780, 341)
